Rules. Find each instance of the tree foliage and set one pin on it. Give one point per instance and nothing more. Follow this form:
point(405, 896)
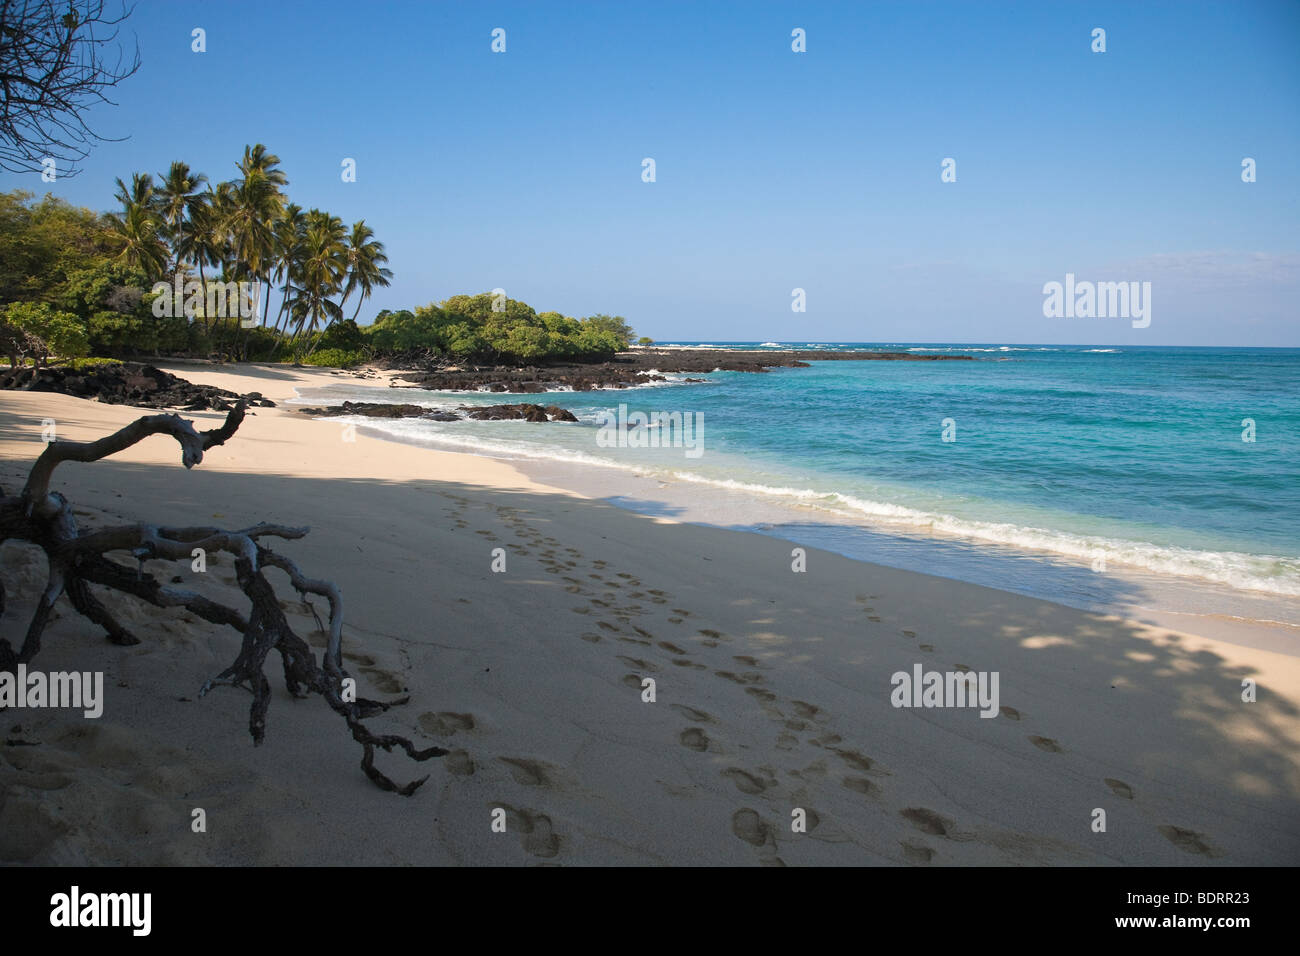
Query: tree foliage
point(487, 328)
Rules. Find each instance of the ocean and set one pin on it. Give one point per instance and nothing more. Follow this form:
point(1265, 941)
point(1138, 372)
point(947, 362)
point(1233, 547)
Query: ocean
point(1103, 477)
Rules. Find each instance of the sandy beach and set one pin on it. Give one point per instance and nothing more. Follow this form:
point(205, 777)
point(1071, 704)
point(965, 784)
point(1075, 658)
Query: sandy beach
point(772, 688)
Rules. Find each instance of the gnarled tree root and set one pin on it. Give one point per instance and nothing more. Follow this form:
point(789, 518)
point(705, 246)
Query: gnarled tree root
point(78, 559)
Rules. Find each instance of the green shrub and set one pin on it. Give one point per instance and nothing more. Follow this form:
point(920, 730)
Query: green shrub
point(62, 333)
point(334, 358)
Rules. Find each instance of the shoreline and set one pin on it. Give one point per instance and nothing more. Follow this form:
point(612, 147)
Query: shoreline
point(1249, 617)
point(773, 687)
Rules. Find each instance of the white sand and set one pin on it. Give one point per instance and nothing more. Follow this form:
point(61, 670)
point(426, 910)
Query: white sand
point(773, 688)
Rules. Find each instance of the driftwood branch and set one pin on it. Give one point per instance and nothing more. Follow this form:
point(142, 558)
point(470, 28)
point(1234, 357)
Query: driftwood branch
point(79, 559)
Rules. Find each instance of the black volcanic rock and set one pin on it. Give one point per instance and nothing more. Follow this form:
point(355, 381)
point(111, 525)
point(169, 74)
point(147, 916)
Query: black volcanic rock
point(128, 384)
point(525, 411)
point(628, 370)
point(369, 410)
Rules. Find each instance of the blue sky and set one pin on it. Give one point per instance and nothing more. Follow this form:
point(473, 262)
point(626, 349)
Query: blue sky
point(775, 170)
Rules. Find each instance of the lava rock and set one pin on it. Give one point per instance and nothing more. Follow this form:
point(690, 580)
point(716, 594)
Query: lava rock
point(128, 383)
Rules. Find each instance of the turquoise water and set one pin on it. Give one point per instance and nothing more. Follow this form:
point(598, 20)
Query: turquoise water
point(1129, 456)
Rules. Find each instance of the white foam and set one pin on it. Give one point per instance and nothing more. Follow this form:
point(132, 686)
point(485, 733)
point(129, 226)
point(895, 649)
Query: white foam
point(1272, 574)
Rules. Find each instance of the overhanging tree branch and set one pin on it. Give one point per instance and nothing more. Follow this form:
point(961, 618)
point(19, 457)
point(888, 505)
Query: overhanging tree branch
point(55, 66)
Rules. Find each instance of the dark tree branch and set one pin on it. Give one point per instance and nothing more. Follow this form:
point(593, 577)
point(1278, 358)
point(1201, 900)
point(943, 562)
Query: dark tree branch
point(53, 69)
point(78, 559)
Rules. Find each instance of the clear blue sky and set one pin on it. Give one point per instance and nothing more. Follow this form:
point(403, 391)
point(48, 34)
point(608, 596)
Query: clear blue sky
point(775, 170)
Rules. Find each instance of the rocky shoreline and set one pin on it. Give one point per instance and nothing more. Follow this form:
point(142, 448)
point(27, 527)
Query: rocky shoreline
point(145, 386)
point(524, 411)
point(627, 370)
point(128, 383)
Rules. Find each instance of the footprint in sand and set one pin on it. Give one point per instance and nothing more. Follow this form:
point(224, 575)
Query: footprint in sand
point(703, 716)
point(745, 678)
point(747, 782)
point(693, 738)
point(1119, 788)
point(687, 662)
point(632, 680)
point(638, 663)
point(1046, 744)
point(855, 760)
point(1188, 840)
point(591, 638)
point(674, 620)
point(716, 635)
point(539, 836)
point(682, 611)
point(671, 648)
point(746, 659)
point(964, 668)
point(385, 682)
point(909, 633)
point(807, 711)
point(1010, 713)
point(459, 763)
point(752, 828)
point(928, 648)
point(530, 773)
point(446, 723)
point(873, 619)
point(915, 853)
point(860, 785)
point(927, 821)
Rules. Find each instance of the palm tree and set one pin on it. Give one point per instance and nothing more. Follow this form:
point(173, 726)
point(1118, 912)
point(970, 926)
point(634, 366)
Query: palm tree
point(256, 203)
point(366, 260)
point(207, 241)
point(139, 230)
point(288, 234)
point(322, 267)
point(177, 199)
point(140, 192)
